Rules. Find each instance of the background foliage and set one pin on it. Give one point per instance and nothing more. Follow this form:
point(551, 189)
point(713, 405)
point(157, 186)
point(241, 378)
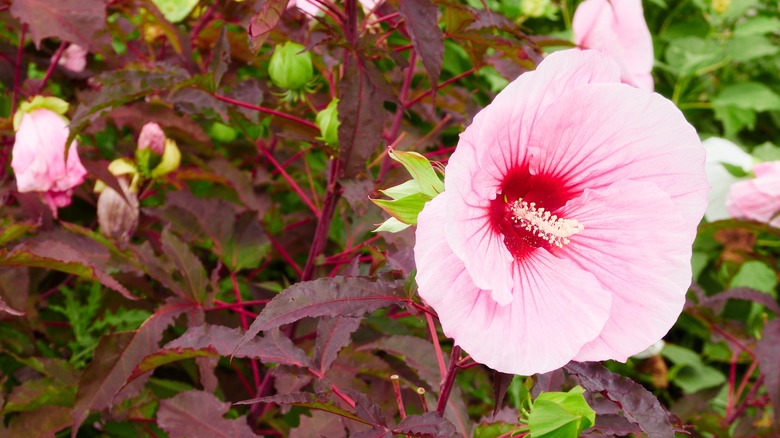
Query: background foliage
point(100, 337)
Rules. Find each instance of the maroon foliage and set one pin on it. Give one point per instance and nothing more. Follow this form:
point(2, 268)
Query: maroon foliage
point(196, 414)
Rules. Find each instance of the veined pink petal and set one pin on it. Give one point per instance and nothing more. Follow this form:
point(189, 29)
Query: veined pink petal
point(618, 28)
point(638, 247)
point(605, 133)
point(475, 171)
point(39, 158)
point(74, 58)
point(758, 198)
point(558, 306)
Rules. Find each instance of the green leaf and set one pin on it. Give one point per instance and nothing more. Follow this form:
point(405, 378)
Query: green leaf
point(759, 25)
point(421, 170)
point(735, 119)
point(756, 275)
point(689, 372)
point(15, 231)
point(405, 209)
point(746, 48)
point(560, 414)
point(748, 95)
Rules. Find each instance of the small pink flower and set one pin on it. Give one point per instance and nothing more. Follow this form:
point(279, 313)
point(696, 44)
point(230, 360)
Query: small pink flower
point(565, 228)
point(152, 137)
point(758, 198)
point(618, 28)
point(39, 158)
point(74, 58)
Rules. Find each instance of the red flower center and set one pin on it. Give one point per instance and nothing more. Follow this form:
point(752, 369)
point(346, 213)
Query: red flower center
point(525, 212)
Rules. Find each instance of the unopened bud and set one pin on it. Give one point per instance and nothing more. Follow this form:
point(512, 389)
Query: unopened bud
point(290, 67)
point(328, 122)
point(117, 214)
point(152, 137)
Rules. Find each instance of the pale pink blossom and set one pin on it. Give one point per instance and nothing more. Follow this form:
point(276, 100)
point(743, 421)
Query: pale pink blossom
point(618, 28)
point(39, 158)
point(152, 137)
point(757, 198)
point(565, 228)
point(74, 58)
point(311, 7)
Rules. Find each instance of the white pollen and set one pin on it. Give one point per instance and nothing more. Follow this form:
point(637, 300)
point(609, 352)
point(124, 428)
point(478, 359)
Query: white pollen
point(550, 228)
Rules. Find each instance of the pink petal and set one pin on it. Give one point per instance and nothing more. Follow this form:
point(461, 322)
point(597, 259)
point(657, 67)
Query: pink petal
point(759, 198)
point(605, 133)
point(558, 307)
point(639, 249)
point(618, 28)
point(38, 156)
point(496, 141)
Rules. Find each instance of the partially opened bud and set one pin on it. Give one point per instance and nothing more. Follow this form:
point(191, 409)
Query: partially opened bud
point(290, 67)
point(117, 214)
point(74, 58)
point(152, 137)
point(328, 122)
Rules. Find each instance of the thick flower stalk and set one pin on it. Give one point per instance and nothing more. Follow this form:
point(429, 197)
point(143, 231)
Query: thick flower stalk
point(39, 154)
point(565, 228)
point(617, 28)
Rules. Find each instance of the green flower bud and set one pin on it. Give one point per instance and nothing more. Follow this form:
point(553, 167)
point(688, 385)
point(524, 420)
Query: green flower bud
point(328, 122)
point(290, 67)
point(170, 160)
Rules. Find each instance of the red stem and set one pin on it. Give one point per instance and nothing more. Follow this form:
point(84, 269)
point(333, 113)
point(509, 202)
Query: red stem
point(446, 388)
point(323, 224)
point(266, 111)
point(304, 197)
point(245, 326)
point(18, 69)
point(443, 84)
point(436, 345)
point(52, 65)
point(285, 255)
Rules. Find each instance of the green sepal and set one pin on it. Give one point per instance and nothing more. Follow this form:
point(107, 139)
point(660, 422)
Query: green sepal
point(421, 170)
point(404, 209)
point(328, 122)
point(50, 103)
point(560, 414)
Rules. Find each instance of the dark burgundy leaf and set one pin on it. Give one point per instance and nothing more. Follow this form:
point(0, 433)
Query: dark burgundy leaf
point(429, 424)
point(195, 414)
point(193, 276)
point(76, 21)
point(240, 181)
point(418, 353)
point(549, 382)
point(308, 400)
point(613, 425)
point(99, 169)
point(366, 409)
point(124, 86)
point(638, 404)
point(768, 356)
point(338, 296)
point(332, 335)
point(115, 358)
point(197, 102)
point(422, 18)
point(175, 125)
point(374, 432)
point(361, 115)
point(741, 293)
point(14, 288)
point(214, 341)
point(43, 422)
point(320, 424)
point(501, 382)
point(220, 57)
point(57, 255)
point(264, 21)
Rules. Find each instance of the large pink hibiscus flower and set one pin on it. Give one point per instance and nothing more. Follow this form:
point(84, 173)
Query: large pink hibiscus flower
point(565, 228)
